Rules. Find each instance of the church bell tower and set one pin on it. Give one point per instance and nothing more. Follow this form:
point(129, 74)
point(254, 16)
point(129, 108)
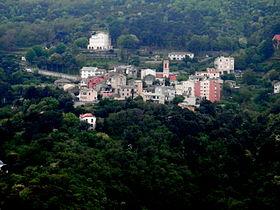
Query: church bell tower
point(166, 68)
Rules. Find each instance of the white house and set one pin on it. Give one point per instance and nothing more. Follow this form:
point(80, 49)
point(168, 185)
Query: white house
point(100, 41)
point(167, 92)
point(126, 91)
point(145, 72)
point(189, 101)
point(86, 72)
point(225, 65)
point(90, 119)
point(185, 88)
point(180, 55)
point(277, 87)
point(155, 97)
point(210, 73)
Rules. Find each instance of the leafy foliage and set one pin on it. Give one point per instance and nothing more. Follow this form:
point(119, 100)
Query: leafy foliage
point(218, 157)
point(142, 155)
point(198, 25)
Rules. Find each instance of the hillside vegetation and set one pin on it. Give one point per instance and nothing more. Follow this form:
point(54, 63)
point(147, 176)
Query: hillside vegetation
point(142, 155)
point(193, 24)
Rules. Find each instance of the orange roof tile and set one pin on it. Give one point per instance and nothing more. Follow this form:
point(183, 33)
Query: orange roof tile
point(276, 37)
point(86, 115)
point(172, 77)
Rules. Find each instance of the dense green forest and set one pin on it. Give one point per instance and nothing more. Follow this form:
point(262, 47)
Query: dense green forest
point(142, 155)
point(193, 24)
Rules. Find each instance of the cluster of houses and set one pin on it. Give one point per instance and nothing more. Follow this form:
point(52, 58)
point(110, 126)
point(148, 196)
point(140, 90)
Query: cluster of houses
point(127, 81)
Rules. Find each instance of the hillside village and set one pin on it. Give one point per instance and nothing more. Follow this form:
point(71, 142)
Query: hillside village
point(128, 81)
point(122, 81)
point(151, 104)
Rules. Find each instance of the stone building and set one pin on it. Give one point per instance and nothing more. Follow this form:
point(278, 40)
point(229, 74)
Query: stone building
point(167, 92)
point(116, 80)
point(138, 84)
point(152, 96)
point(127, 91)
point(87, 95)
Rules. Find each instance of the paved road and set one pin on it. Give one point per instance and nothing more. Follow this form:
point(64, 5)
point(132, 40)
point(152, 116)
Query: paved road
point(55, 74)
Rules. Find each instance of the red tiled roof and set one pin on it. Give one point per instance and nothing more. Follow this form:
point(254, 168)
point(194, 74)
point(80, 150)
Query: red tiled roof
point(276, 37)
point(95, 81)
point(86, 115)
point(172, 77)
